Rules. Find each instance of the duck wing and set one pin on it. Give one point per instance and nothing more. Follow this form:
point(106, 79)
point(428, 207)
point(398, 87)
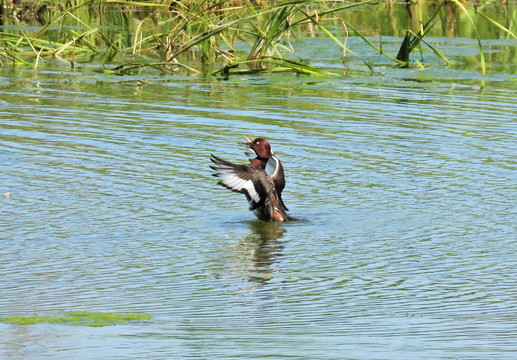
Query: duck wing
point(275, 171)
point(244, 179)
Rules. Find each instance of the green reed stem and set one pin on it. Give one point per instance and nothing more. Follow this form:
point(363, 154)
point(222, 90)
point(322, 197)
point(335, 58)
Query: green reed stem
point(202, 33)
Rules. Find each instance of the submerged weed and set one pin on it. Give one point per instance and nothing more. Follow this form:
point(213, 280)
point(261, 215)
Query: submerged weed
point(93, 319)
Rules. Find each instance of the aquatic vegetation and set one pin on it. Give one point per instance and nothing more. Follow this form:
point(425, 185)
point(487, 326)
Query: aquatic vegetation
point(210, 37)
point(415, 37)
point(94, 319)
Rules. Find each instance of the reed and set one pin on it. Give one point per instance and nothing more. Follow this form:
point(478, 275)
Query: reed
point(210, 37)
point(414, 37)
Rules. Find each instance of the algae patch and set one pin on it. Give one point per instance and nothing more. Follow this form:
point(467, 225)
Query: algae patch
point(94, 319)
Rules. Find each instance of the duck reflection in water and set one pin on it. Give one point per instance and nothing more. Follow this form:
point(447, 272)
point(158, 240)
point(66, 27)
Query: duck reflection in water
point(265, 248)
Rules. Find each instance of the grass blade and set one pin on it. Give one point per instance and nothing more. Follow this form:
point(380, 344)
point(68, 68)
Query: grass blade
point(481, 52)
point(496, 24)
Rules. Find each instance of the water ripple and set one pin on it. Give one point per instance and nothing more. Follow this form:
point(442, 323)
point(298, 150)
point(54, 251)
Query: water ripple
point(407, 196)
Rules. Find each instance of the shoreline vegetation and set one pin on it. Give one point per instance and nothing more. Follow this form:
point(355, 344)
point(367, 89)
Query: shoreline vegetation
point(230, 37)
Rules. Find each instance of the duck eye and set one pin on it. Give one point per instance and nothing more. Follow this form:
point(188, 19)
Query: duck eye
point(257, 142)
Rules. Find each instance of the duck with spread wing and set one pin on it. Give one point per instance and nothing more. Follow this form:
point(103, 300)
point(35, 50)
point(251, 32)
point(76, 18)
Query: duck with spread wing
point(262, 180)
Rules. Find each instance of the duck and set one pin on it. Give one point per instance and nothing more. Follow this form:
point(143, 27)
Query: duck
point(262, 180)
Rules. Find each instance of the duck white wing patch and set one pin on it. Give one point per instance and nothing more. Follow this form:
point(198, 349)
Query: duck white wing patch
point(272, 166)
point(235, 183)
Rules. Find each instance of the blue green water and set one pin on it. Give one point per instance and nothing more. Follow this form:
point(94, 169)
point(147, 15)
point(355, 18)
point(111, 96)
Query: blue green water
point(406, 183)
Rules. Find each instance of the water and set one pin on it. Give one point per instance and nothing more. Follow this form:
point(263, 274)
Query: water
point(405, 183)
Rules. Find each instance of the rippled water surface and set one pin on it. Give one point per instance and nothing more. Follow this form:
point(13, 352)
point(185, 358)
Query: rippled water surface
point(406, 189)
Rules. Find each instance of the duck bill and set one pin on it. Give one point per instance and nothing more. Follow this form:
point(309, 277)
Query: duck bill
point(248, 142)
